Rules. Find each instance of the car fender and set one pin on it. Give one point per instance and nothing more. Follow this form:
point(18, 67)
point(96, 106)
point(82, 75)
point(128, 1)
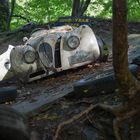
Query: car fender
point(82, 55)
point(5, 64)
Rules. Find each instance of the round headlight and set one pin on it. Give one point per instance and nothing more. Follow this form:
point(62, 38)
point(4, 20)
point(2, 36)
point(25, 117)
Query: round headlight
point(29, 56)
point(73, 42)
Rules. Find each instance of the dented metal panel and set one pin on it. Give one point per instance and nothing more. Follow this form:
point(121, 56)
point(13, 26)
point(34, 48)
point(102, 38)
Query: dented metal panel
point(88, 50)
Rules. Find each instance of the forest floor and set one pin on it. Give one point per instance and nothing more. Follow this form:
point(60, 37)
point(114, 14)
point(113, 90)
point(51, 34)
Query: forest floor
point(46, 122)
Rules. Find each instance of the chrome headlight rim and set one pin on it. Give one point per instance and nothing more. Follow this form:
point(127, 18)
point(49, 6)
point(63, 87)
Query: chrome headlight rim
point(27, 56)
point(69, 41)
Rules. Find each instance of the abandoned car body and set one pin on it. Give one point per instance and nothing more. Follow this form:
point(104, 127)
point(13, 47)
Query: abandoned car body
point(50, 51)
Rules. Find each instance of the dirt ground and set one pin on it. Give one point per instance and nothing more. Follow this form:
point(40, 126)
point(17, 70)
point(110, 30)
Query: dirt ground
point(46, 122)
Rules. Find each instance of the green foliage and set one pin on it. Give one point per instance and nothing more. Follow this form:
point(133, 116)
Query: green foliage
point(40, 11)
point(103, 9)
point(134, 10)
point(43, 11)
point(100, 8)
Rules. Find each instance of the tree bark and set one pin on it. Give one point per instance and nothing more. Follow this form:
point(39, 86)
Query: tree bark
point(79, 7)
point(75, 7)
point(84, 7)
point(120, 44)
point(4, 14)
point(11, 13)
point(128, 85)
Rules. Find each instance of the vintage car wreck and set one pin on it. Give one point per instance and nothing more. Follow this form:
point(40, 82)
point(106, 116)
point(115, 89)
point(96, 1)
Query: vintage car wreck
point(50, 51)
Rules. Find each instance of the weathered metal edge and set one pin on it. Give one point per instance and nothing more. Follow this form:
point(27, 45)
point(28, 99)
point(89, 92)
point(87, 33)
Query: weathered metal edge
point(38, 103)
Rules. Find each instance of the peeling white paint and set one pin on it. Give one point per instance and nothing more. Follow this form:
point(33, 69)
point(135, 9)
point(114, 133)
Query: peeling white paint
point(5, 64)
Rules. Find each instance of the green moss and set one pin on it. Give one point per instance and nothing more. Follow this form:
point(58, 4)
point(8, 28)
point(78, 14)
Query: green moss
point(106, 50)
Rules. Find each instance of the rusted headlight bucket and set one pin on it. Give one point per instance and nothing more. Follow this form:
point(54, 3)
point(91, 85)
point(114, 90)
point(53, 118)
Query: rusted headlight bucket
point(29, 55)
point(73, 42)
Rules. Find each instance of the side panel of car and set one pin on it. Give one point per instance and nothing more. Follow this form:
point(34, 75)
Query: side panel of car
point(50, 51)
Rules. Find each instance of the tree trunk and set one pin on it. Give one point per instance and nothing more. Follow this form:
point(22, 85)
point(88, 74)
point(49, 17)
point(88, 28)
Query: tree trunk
point(75, 8)
point(79, 7)
point(120, 44)
point(11, 14)
point(84, 7)
point(128, 85)
point(4, 14)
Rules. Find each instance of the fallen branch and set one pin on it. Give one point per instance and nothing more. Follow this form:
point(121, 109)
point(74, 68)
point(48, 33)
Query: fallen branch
point(119, 112)
point(74, 118)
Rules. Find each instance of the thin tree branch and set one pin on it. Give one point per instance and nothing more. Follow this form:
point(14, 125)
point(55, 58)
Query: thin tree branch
point(81, 5)
point(11, 13)
point(84, 7)
point(22, 17)
point(74, 118)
